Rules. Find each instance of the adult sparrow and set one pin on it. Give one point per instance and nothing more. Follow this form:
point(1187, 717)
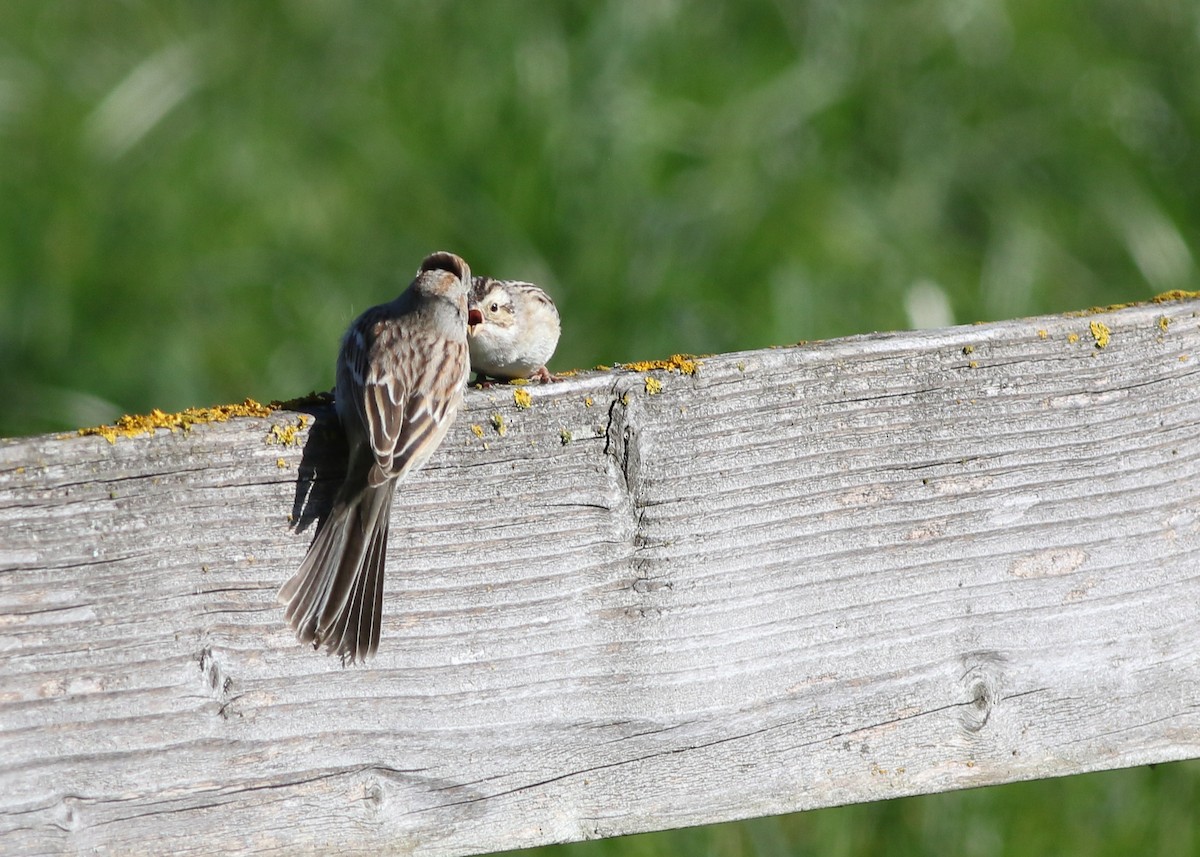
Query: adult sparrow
point(512, 330)
point(400, 378)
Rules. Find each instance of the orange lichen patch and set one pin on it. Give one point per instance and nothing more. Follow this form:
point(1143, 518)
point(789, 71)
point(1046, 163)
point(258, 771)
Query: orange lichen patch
point(1164, 323)
point(522, 399)
point(1072, 338)
point(684, 364)
point(498, 424)
point(1100, 333)
point(653, 386)
point(1042, 334)
point(131, 426)
point(477, 430)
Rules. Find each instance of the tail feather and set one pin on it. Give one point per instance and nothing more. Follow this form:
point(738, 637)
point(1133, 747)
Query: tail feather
point(307, 591)
point(370, 603)
point(335, 598)
point(355, 628)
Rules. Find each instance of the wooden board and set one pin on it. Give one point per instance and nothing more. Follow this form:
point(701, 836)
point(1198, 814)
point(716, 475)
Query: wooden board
point(805, 576)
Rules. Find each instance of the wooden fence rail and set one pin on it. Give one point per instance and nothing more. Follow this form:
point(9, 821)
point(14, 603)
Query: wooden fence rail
point(806, 576)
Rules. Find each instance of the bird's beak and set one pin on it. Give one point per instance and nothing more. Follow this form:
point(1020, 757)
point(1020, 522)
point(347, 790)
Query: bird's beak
point(474, 317)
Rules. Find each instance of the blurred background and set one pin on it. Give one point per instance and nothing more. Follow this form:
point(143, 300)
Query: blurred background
point(197, 197)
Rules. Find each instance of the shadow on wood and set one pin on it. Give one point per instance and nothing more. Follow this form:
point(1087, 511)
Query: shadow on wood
point(321, 470)
point(806, 576)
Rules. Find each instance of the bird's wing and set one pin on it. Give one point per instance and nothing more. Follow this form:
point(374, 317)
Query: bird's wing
point(401, 396)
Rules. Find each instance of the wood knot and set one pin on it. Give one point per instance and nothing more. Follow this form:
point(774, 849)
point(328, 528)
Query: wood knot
point(374, 796)
point(983, 679)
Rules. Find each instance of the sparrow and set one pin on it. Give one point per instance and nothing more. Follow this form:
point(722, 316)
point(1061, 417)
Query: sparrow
point(512, 330)
point(401, 371)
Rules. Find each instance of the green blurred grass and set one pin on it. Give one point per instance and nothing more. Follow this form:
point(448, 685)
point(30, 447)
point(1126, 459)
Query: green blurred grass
point(1141, 811)
point(196, 198)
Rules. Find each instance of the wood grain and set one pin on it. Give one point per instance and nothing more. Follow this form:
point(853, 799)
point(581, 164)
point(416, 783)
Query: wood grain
point(806, 576)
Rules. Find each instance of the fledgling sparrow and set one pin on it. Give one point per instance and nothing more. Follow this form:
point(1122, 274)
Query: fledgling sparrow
point(512, 330)
point(400, 378)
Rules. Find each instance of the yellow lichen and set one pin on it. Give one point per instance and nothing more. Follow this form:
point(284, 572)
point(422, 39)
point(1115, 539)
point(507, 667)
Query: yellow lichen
point(587, 403)
point(1042, 334)
point(1174, 295)
point(653, 386)
point(968, 349)
point(287, 435)
point(499, 425)
point(1072, 338)
point(281, 463)
point(684, 364)
point(1100, 333)
point(477, 430)
point(974, 364)
point(565, 436)
point(522, 399)
point(1097, 310)
point(1164, 297)
point(133, 425)
point(1164, 323)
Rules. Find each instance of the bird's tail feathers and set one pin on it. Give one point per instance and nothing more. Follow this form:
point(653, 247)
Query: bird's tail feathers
point(335, 598)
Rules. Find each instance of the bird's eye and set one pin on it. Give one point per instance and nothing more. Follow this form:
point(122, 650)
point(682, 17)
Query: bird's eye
point(495, 307)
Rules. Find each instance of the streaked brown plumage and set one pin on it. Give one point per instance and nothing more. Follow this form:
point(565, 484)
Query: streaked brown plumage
point(400, 378)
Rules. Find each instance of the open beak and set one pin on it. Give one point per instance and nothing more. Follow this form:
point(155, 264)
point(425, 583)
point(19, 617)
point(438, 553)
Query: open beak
point(474, 317)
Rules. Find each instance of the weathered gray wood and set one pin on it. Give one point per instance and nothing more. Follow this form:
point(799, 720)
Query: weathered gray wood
point(807, 576)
